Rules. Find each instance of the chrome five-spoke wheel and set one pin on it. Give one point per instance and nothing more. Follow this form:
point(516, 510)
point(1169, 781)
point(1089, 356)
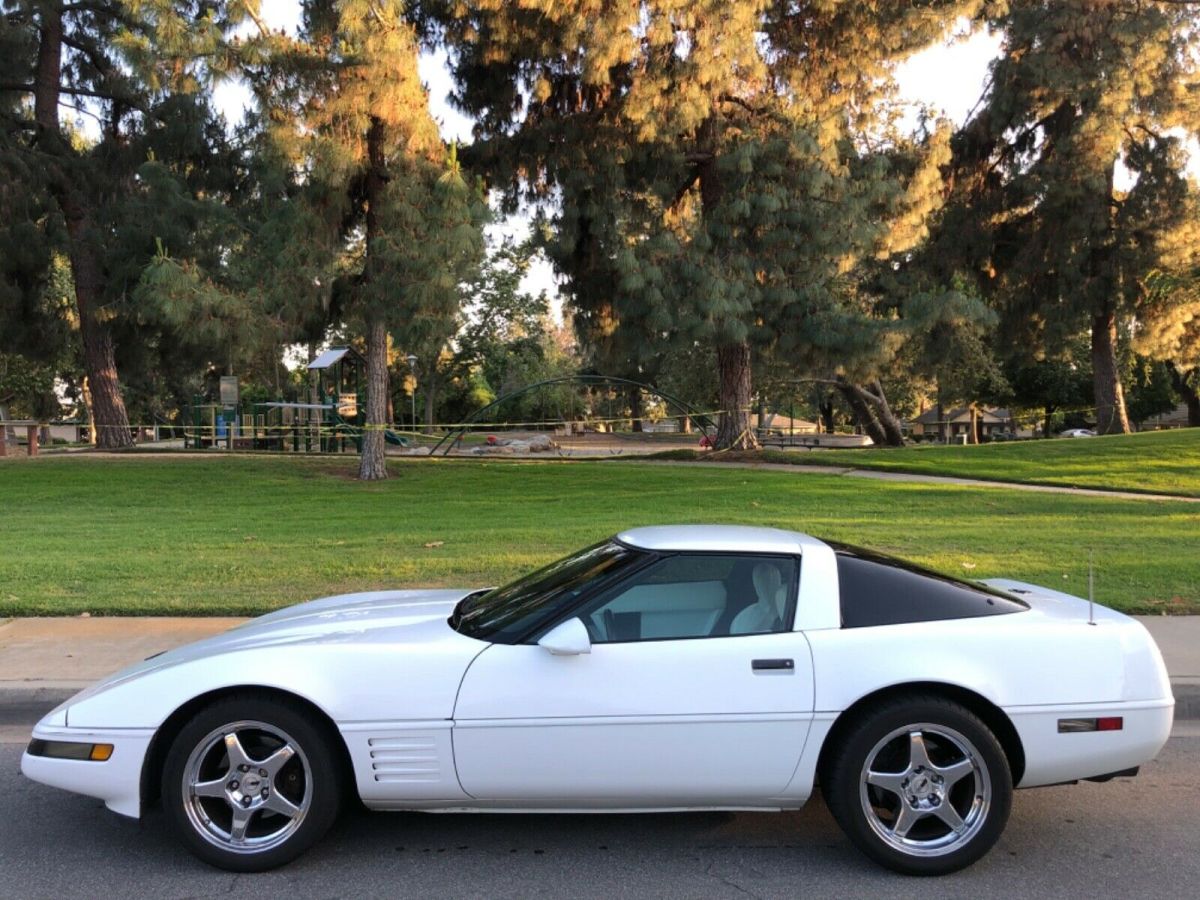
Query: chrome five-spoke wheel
point(251, 781)
point(924, 790)
point(247, 787)
point(920, 784)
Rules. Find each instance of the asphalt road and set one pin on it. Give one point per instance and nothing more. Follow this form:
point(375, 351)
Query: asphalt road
point(1129, 837)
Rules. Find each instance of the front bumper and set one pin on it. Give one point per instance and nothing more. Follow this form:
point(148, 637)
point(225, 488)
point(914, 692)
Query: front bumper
point(1052, 757)
point(116, 781)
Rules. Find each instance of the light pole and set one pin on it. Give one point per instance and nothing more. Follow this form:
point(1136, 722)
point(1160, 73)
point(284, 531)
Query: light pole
point(412, 367)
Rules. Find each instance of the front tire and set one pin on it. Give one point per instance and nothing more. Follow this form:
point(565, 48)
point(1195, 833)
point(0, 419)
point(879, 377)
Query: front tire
point(920, 785)
point(250, 783)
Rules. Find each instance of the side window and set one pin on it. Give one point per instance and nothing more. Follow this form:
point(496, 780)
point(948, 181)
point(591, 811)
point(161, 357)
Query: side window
point(695, 596)
point(879, 590)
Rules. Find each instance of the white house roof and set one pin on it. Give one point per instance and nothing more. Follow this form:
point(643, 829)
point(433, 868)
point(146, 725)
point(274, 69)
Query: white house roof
point(731, 538)
point(963, 414)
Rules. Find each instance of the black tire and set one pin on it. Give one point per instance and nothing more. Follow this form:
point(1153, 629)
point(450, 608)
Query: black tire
point(898, 814)
point(286, 807)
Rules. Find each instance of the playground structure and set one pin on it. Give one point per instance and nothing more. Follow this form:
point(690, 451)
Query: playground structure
point(575, 408)
point(332, 423)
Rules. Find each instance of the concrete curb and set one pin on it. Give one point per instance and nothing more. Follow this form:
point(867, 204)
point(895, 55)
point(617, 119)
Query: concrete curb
point(1187, 701)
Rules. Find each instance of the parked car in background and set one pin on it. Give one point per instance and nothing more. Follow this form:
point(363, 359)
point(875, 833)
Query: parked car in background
point(1077, 433)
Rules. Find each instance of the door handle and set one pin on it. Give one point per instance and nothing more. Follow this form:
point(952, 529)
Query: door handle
point(765, 665)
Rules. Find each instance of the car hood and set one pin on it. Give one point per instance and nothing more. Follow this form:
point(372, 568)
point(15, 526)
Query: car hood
point(413, 617)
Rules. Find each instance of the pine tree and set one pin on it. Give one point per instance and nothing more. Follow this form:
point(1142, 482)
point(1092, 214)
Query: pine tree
point(136, 69)
point(1169, 329)
point(395, 224)
point(719, 167)
point(1083, 94)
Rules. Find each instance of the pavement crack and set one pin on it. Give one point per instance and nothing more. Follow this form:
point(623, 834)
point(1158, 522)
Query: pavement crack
point(709, 871)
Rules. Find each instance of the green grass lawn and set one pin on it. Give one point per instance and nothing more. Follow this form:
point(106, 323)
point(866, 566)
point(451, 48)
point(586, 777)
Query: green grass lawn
point(1166, 462)
point(151, 534)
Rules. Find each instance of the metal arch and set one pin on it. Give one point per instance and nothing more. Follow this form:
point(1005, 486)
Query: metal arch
point(456, 435)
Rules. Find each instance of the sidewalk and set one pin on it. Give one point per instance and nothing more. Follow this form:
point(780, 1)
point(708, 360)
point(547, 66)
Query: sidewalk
point(48, 659)
point(894, 475)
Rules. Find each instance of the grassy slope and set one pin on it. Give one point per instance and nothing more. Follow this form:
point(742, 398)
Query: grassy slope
point(245, 534)
point(1165, 462)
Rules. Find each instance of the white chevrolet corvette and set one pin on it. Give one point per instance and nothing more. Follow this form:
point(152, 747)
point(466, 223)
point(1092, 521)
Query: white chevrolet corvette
point(669, 668)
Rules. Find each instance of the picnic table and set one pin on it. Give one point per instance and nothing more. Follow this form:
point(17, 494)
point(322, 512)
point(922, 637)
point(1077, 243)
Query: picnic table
point(32, 429)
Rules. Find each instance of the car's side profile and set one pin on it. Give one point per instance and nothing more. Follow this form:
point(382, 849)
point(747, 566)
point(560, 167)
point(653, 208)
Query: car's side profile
point(682, 667)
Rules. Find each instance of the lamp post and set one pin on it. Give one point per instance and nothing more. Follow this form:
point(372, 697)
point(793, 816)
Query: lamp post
point(412, 367)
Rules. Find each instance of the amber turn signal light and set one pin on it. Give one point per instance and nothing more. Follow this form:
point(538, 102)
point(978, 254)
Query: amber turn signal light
point(70, 750)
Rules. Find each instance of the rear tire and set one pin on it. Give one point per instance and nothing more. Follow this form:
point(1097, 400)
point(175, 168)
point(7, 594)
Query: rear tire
point(919, 784)
point(251, 782)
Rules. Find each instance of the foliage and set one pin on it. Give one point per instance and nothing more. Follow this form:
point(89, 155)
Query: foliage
point(397, 224)
point(1151, 392)
point(145, 160)
point(1071, 183)
point(26, 389)
point(719, 170)
point(736, 177)
point(1055, 383)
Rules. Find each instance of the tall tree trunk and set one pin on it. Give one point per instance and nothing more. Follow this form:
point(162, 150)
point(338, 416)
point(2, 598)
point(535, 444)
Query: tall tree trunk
point(635, 409)
point(863, 413)
point(1046, 428)
point(941, 416)
point(373, 464)
point(431, 387)
point(1192, 399)
point(1111, 417)
point(892, 429)
point(733, 357)
point(111, 422)
point(974, 438)
point(825, 408)
point(733, 370)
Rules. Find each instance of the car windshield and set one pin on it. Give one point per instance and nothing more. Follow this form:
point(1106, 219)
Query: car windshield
point(509, 613)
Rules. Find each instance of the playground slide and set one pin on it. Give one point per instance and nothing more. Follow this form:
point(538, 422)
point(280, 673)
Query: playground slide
point(391, 437)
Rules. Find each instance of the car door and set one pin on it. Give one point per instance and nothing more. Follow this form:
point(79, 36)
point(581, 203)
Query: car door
point(696, 691)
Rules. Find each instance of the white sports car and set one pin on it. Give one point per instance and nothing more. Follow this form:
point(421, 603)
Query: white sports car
point(685, 667)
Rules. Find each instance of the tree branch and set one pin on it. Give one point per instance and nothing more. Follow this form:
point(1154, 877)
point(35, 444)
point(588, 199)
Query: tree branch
point(102, 64)
point(74, 92)
point(683, 189)
point(101, 95)
point(743, 103)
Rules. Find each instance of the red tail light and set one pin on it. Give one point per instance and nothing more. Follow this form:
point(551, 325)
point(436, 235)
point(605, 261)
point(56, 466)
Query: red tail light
point(1104, 723)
